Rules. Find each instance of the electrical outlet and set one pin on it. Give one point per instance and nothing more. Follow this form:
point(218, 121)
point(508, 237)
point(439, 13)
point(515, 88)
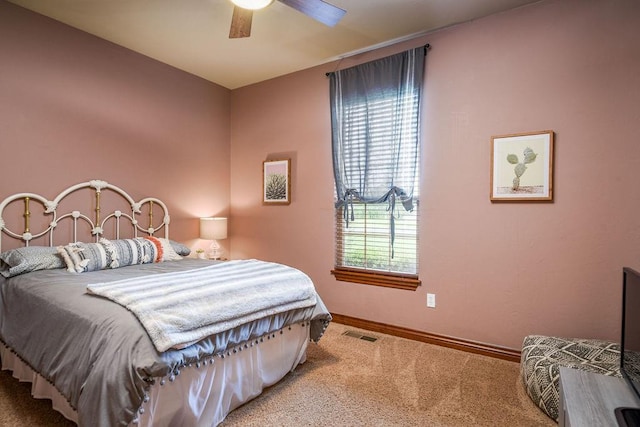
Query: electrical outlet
point(431, 300)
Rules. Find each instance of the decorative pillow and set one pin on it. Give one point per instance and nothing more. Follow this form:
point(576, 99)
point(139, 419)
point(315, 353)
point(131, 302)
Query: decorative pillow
point(170, 251)
point(159, 250)
point(179, 248)
point(82, 257)
point(164, 249)
point(29, 258)
point(130, 251)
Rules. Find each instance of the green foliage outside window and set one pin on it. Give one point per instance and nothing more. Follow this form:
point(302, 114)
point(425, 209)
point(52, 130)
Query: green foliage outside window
point(366, 242)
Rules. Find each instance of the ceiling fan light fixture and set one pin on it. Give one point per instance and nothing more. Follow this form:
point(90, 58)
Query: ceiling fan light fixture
point(252, 4)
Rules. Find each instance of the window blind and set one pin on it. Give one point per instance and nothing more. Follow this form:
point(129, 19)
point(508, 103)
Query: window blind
point(366, 243)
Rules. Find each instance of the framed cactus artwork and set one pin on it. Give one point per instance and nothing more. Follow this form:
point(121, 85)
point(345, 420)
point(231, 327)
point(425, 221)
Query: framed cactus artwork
point(522, 167)
point(276, 182)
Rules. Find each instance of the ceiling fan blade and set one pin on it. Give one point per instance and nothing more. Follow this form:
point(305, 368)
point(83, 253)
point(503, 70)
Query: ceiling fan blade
point(319, 10)
point(240, 23)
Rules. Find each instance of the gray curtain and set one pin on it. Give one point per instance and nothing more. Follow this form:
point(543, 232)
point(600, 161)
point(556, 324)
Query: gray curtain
point(371, 164)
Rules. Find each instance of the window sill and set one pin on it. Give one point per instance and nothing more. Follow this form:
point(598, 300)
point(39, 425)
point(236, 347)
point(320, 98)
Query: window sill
point(389, 280)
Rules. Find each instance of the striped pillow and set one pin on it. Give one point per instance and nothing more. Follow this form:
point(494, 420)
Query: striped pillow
point(129, 251)
point(83, 257)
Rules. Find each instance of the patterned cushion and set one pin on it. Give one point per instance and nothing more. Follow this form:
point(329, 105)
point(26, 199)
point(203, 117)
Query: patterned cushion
point(542, 357)
point(83, 257)
point(80, 257)
point(125, 252)
point(165, 249)
point(30, 258)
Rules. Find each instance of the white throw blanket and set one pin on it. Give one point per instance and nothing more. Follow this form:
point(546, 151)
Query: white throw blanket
point(178, 309)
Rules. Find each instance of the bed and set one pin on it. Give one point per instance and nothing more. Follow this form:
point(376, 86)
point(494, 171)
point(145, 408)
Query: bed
point(121, 328)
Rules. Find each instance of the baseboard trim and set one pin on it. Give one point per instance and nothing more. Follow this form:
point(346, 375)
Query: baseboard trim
point(456, 343)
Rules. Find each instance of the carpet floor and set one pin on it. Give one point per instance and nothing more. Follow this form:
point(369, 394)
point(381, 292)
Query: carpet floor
point(349, 381)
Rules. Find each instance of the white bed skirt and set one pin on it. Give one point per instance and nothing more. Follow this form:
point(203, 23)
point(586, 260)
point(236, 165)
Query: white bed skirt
point(201, 395)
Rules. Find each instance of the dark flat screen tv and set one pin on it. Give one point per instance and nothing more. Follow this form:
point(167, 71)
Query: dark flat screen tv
point(630, 344)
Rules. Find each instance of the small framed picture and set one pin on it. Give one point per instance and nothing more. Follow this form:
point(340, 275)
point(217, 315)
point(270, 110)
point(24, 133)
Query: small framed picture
point(276, 182)
point(522, 167)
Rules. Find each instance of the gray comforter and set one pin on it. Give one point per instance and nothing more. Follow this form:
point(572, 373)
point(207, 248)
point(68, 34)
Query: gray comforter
point(94, 351)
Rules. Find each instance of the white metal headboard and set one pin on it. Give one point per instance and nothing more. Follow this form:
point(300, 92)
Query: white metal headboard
point(97, 224)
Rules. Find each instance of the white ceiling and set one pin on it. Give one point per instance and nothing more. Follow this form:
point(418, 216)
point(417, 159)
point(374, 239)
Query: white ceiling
point(192, 35)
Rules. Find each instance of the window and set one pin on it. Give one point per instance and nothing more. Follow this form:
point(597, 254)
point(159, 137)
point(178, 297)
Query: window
point(375, 110)
point(363, 250)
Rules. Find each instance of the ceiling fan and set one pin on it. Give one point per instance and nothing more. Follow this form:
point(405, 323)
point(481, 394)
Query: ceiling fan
point(319, 10)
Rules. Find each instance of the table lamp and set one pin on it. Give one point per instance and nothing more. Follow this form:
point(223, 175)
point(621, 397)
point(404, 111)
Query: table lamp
point(214, 229)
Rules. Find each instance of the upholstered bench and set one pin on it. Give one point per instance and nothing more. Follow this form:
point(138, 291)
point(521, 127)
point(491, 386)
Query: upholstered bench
point(542, 357)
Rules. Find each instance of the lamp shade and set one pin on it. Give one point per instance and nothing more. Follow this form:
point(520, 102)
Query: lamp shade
point(213, 228)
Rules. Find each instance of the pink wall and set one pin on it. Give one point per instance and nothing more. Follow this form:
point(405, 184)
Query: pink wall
point(499, 271)
point(74, 107)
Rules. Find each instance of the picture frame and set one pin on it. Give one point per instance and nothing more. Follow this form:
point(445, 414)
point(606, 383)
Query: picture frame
point(522, 167)
point(276, 182)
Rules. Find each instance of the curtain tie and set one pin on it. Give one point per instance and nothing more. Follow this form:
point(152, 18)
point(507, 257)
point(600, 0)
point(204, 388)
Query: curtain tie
point(347, 202)
point(407, 202)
